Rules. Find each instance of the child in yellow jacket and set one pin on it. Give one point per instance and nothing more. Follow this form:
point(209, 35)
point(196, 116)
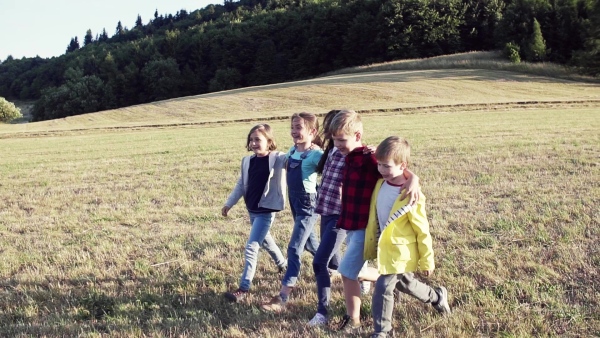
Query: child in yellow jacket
point(397, 236)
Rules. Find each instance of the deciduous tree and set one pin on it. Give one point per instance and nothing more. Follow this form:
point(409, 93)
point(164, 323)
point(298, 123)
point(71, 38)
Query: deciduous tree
point(8, 111)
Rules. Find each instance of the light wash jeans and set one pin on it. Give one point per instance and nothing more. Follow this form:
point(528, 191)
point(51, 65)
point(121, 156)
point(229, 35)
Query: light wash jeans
point(259, 236)
point(302, 205)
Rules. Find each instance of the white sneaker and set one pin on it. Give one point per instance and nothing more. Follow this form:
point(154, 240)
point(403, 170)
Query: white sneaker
point(365, 287)
point(318, 320)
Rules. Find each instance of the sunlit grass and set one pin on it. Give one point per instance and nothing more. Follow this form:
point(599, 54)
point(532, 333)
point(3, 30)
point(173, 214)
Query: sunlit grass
point(118, 232)
point(478, 80)
point(492, 60)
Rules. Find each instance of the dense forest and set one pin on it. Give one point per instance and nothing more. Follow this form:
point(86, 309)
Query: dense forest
point(254, 42)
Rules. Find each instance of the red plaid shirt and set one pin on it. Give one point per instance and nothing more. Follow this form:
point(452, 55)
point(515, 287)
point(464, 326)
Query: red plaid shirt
point(358, 183)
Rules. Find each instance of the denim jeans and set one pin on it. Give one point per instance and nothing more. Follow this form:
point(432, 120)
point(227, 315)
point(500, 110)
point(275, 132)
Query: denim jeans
point(259, 236)
point(302, 205)
point(331, 241)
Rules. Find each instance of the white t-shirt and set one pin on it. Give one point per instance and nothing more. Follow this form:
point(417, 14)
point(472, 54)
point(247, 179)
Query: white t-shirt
point(385, 201)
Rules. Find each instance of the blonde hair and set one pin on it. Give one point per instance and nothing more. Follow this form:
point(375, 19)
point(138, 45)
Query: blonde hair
point(393, 148)
point(346, 122)
point(267, 132)
point(310, 122)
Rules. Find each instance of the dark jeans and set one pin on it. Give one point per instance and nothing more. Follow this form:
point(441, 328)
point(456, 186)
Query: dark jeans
point(331, 241)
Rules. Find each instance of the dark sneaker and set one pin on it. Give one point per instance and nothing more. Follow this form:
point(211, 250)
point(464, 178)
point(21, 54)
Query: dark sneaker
point(348, 325)
point(442, 305)
point(236, 296)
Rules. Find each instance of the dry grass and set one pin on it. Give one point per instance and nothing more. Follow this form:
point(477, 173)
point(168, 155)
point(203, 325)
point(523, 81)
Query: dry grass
point(110, 226)
point(492, 60)
point(394, 87)
point(118, 233)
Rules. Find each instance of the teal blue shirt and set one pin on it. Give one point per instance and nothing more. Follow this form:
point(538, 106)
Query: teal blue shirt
point(309, 165)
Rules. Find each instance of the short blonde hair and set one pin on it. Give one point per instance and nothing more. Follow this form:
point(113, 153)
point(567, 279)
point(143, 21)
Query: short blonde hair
point(393, 148)
point(346, 122)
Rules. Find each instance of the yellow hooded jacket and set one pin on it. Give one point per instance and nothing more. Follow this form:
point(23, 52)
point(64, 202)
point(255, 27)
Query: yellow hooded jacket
point(405, 244)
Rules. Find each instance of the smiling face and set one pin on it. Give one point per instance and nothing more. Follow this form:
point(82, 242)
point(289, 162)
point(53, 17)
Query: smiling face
point(258, 143)
point(300, 133)
point(392, 172)
point(347, 143)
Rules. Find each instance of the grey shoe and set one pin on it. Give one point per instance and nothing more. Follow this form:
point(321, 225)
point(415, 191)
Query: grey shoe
point(236, 296)
point(442, 305)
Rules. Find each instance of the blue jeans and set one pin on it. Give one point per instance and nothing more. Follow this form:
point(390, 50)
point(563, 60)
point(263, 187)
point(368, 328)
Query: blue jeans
point(259, 236)
point(303, 235)
point(331, 241)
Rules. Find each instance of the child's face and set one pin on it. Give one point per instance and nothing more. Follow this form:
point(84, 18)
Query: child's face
point(300, 133)
point(347, 143)
point(392, 172)
point(259, 144)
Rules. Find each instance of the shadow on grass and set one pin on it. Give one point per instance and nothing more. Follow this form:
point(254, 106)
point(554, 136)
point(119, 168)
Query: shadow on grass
point(142, 307)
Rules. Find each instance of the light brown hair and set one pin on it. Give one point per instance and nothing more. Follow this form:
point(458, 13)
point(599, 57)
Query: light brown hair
point(393, 148)
point(267, 132)
point(310, 122)
point(346, 122)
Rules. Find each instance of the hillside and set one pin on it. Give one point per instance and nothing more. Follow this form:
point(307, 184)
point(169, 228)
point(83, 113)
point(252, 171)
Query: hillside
point(110, 222)
point(414, 90)
point(256, 42)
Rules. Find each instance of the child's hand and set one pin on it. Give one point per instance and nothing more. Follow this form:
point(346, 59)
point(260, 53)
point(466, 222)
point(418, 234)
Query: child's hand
point(369, 149)
point(225, 210)
point(411, 190)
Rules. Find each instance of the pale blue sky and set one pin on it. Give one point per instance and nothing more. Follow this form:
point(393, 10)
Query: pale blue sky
point(45, 27)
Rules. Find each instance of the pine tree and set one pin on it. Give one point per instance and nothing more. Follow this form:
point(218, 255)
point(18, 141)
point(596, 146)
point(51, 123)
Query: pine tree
point(119, 30)
point(138, 22)
point(536, 48)
point(73, 45)
point(88, 38)
point(104, 36)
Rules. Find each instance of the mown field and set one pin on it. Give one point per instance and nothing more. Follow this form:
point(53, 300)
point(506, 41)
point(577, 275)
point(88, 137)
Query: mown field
point(117, 232)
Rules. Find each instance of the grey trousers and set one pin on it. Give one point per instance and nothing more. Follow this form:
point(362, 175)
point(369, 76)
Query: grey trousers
point(383, 298)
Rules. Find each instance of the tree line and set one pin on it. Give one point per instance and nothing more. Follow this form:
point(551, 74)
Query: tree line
point(255, 42)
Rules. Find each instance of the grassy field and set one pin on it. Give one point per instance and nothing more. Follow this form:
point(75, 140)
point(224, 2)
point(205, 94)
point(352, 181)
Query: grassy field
point(117, 232)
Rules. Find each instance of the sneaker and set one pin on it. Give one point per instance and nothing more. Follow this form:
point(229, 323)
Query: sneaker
point(365, 287)
point(276, 304)
point(442, 304)
point(348, 325)
point(236, 296)
point(318, 320)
